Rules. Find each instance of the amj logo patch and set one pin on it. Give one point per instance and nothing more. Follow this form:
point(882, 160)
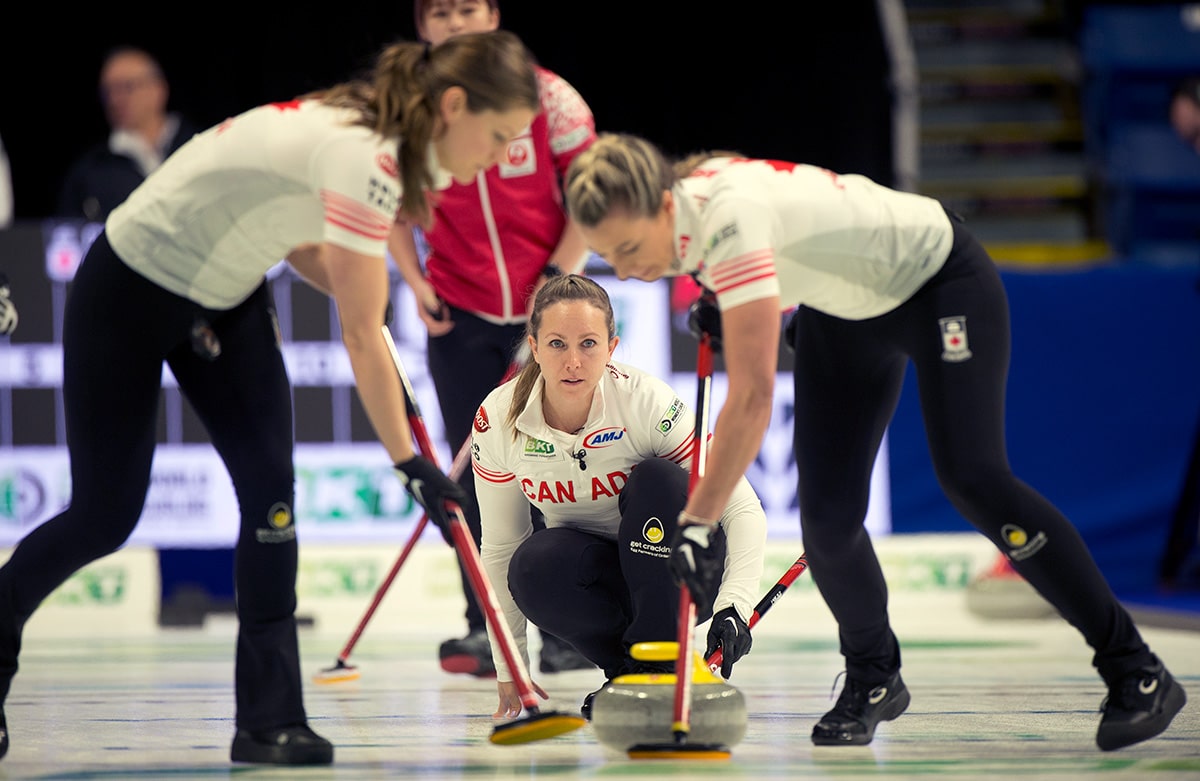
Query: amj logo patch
point(604, 437)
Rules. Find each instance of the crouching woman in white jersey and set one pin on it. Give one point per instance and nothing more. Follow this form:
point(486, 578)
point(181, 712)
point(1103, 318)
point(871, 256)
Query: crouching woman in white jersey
point(179, 276)
point(603, 450)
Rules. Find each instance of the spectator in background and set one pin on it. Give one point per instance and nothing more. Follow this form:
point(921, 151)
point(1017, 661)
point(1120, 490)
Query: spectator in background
point(1184, 111)
point(134, 93)
point(492, 244)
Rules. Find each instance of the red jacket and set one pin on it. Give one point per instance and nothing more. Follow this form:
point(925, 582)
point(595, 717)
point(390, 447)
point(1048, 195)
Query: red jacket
point(491, 239)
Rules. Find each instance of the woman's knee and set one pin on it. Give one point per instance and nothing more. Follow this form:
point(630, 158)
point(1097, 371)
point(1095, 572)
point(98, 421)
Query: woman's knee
point(974, 488)
point(656, 480)
point(827, 513)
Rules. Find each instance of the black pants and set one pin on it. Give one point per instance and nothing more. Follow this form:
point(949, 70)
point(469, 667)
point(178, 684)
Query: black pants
point(466, 365)
point(119, 328)
point(848, 377)
point(603, 595)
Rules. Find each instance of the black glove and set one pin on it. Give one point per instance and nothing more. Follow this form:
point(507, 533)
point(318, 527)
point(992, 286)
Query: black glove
point(704, 317)
point(731, 634)
point(8, 310)
point(432, 489)
point(696, 564)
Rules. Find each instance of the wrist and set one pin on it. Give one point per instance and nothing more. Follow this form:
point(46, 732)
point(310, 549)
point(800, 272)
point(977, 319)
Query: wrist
point(687, 519)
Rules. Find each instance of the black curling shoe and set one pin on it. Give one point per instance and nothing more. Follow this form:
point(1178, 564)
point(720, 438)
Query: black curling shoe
point(858, 709)
point(1139, 706)
point(293, 745)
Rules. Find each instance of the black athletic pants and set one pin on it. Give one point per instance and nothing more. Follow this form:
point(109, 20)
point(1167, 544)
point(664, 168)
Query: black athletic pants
point(848, 377)
point(119, 328)
point(603, 595)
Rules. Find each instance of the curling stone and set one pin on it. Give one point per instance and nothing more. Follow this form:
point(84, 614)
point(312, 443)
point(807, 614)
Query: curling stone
point(640, 708)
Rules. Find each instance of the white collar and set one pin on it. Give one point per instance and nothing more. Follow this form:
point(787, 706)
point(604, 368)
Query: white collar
point(441, 177)
point(533, 421)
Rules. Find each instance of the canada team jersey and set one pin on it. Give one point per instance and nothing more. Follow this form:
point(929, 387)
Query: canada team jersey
point(491, 238)
point(634, 416)
point(840, 244)
point(234, 200)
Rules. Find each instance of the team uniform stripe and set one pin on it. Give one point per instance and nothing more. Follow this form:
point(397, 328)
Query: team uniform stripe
point(492, 477)
point(680, 453)
point(353, 216)
point(743, 270)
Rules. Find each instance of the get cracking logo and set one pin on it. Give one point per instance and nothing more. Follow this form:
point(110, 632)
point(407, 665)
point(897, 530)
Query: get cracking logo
point(653, 534)
point(280, 526)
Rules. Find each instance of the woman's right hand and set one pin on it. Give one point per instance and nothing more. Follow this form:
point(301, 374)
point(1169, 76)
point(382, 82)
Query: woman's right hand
point(433, 311)
point(510, 699)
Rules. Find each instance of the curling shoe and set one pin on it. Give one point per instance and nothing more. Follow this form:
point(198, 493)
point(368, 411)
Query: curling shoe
point(3, 734)
point(1139, 706)
point(585, 709)
point(858, 709)
point(559, 656)
point(471, 655)
point(293, 745)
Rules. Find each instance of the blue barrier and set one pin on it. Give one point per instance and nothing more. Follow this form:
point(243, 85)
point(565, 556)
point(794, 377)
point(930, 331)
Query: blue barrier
point(1103, 398)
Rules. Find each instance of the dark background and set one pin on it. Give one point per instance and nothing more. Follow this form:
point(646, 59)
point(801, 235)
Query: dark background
point(806, 81)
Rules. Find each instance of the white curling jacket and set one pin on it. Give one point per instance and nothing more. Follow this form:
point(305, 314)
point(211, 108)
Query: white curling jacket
point(838, 243)
point(634, 416)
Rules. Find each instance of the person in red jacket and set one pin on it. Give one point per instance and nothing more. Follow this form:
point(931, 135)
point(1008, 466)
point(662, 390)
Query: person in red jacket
point(492, 243)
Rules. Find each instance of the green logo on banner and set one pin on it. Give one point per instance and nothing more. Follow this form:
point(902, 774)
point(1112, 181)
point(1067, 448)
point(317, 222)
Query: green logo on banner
point(338, 578)
point(92, 586)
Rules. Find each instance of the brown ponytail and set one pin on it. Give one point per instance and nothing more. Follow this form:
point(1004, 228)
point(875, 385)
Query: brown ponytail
point(399, 99)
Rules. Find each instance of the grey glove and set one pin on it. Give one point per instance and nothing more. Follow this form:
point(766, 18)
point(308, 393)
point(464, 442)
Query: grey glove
point(8, 310)
point(695, 563)
point(431, 489)
point(732, 635)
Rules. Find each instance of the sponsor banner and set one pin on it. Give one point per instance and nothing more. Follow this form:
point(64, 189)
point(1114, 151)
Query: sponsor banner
point(641, 314)
point(343, 492)
point(348, 492)
point(117, 595)
point(309, 364)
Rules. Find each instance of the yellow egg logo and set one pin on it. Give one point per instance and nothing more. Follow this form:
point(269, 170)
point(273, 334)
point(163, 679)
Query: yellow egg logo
point(653, 531)
point(1015, 536)
point(280, 516)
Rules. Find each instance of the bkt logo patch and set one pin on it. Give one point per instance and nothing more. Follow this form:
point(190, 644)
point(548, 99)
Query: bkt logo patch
point(540, 446)
point(603, 438)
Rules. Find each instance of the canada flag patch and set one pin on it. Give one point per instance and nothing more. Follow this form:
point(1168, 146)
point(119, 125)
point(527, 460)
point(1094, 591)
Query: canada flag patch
point(481, 420)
